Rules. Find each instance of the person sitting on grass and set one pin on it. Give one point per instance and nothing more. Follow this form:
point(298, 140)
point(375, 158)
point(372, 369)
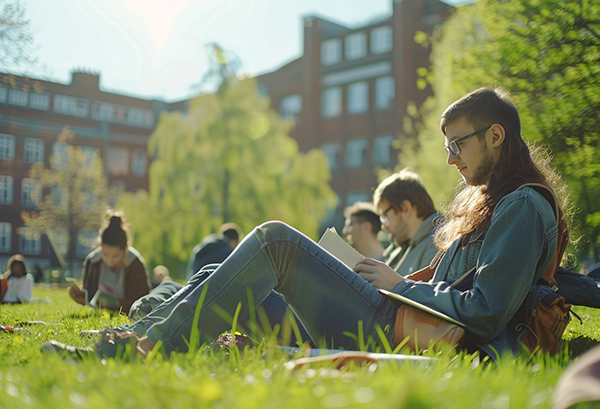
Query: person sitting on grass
point(114, 274)
point(407, 212)
point(361, 228)
point(501, 231)
point(17, 283)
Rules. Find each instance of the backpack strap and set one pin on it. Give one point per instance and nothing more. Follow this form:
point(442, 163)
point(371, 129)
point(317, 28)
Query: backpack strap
point(563, 233)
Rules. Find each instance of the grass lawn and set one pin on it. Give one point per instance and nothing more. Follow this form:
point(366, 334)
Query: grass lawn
point(259, 378)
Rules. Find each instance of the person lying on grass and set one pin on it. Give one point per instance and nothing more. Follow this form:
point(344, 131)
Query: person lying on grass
point(506, 234)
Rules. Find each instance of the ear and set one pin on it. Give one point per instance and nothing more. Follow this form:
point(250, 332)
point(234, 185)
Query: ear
point(407, 206)
point(497, 135)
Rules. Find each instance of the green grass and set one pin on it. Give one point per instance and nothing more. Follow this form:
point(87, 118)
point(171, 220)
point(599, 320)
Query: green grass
point(259, 378)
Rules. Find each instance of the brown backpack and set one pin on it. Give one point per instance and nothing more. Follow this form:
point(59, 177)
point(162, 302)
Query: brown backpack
point(551, 313)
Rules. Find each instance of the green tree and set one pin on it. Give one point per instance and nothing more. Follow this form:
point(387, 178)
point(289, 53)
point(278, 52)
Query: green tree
point(229, 158)
point(76, 198)
point(547, 54)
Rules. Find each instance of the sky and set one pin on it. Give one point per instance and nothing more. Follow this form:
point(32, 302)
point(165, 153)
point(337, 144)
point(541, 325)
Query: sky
point(157, 48)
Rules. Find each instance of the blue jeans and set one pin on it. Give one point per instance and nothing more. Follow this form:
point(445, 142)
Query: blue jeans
point(328, 297)
point(274, 307)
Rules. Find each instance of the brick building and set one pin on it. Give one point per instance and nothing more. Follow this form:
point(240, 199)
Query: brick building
point(33, 113)
point(349, 91)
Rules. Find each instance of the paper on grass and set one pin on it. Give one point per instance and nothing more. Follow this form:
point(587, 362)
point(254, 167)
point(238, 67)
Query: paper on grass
point(333, 243)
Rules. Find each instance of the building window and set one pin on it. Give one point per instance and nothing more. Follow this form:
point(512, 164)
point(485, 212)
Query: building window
point(86, 241)
point(90, 154)
point(138, 164)
point(39, 101)
point(381, 40)
point(331, 102)
point(331, 51)
point(355, 153)
point(118, 161)
point(34, 150)
point(384, 92)
point(30, 245)
point(356, 46)
point(3, 94)
point(137, 117)
point(262, 90)
point(358, 97)
point(64, 104)
point(332, 151)
point(17, 97)
point(290, 106)
point(59, 197)
point(382, 154)
point(6, 189)
point(357, 196)
point(7, 146)
point(59, 153)
point(31, 192)
point(5, 236)
point(103, 111)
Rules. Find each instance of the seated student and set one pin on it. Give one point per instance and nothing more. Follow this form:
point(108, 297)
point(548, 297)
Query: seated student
point(361, 228)
point(17, 282)
point(114, 274)
point(214, 248)
point(407, 212)
point(503, 232)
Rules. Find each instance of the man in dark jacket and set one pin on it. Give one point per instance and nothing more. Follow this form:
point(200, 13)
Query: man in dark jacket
point(214, 248)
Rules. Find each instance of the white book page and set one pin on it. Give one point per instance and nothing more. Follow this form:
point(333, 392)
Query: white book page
point(333, 243)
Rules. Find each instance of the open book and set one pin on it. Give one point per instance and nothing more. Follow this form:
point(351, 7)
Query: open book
point(333, 243)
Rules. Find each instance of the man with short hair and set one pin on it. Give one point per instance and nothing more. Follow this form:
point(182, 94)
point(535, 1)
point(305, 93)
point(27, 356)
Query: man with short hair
point(407, 212)
point(361, 228)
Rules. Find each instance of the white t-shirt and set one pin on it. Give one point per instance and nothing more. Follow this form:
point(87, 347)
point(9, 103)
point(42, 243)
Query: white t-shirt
point(19, 289)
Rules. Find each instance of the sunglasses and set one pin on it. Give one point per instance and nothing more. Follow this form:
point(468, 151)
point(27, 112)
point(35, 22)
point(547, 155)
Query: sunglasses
point(453, 147)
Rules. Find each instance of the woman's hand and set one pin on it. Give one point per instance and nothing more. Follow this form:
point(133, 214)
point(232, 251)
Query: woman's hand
point(379, 274)
point(77, 294)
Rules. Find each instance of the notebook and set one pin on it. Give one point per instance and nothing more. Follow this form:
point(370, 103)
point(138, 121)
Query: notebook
point(421, 307)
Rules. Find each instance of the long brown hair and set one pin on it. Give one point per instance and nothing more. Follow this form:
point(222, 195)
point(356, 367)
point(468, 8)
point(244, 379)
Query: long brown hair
point(473, 206)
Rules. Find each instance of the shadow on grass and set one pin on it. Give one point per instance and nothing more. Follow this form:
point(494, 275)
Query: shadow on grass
point(578, 346)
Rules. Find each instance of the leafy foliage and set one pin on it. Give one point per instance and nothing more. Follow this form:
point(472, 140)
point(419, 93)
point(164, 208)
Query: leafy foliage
point(76, 196)
point(547, 54)
point(16, 41)
point(228, 159)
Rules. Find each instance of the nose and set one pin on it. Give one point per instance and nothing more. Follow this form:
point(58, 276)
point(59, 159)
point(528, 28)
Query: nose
point(345, 230)
point(452, 158)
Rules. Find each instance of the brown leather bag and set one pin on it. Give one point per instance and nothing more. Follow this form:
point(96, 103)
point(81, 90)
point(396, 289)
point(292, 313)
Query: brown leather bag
point(418, 329)
point(548, 322)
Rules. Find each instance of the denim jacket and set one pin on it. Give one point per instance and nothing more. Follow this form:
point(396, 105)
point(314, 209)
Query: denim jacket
point(508, 259)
